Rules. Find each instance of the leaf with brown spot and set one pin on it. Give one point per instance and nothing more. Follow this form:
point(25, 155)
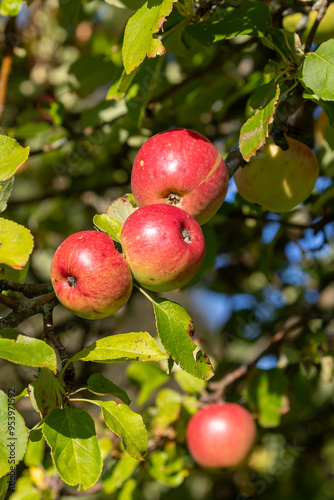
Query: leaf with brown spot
point(255, 130)
point(176, 329)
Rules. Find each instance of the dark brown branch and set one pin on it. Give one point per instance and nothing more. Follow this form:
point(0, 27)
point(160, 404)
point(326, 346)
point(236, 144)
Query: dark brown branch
point(29, 290)
point(69, 375)
point(40, 305)
point(220, 386)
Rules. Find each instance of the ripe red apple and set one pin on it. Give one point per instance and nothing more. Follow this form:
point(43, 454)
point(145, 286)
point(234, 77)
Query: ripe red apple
point(89, 276)
point(163, 245)
point(221, 435)
point(278, 180)
point(183, 168)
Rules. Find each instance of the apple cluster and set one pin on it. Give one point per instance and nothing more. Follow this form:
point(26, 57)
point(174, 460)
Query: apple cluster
point(179, 180)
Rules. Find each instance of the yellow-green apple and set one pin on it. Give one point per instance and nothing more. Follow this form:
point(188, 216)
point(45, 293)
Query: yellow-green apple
point(278, 180)
point(89, 276)
point(325, 29)
point(221, 435)
point(163, 245)
point(183, 168)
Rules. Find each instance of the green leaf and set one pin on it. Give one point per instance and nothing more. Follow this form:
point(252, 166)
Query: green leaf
point(128, 426)
point(327, 106)
point(125, 346)
point(108, 225)
point(98, 384)
point(286, 45)
point(16, 244)
point(4, 483)
point(13, 435)
point(10, 7)
point(189, 383)
point(254, 132)
point(71, 435)
point(121, 208)
point(114, 92)
point(148, 377)
point(267, 395)
point(146, 79)
point(168, 404)
point(5, 191)
point(46, 393)
point(26, 351)
point(318, 71)
point(175, 329)
point(128, 490)
point(12, 156)
point(252, 18)
point(139, 41)
point(36, 449)
point(121, 472)
point(167, 466)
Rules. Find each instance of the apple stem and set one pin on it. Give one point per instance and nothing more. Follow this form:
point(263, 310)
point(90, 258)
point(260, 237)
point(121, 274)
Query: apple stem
point(72, 281)
point(173, 199)
point(186, 235)
point(142, 290)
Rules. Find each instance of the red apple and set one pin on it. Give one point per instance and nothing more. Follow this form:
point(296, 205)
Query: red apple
point(182, 168)
point(221, 435)
point(163, 245)
point(89, 276)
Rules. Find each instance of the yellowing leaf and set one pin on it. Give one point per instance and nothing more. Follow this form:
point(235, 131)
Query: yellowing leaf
point(16, 244)
point(12, 155)
point(138, 37)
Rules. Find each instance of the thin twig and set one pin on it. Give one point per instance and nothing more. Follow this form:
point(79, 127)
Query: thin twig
point(220, 386)
point(69, 373)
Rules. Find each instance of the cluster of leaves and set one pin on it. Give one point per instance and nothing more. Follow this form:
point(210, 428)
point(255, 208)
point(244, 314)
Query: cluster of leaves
point(90, 81)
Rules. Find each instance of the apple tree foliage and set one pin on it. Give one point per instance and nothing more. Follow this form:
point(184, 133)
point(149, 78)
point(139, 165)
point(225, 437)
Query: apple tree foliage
point(101, 407)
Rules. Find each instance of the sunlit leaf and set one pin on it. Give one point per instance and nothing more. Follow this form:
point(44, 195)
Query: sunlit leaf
point(318, 71)
point(148, 377)
point(139, 40)
point(175, 329)
point(128, 426)
point(12, 156)
point(267, 395)
point(26, 351)
point(71, 435)
point(117, 348)
point(16, 244)
point(13, 435)
point(108, 225)
point(123, 469)
point(254, 132)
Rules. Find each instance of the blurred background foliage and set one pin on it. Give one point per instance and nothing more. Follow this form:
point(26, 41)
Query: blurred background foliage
point(262, 271)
